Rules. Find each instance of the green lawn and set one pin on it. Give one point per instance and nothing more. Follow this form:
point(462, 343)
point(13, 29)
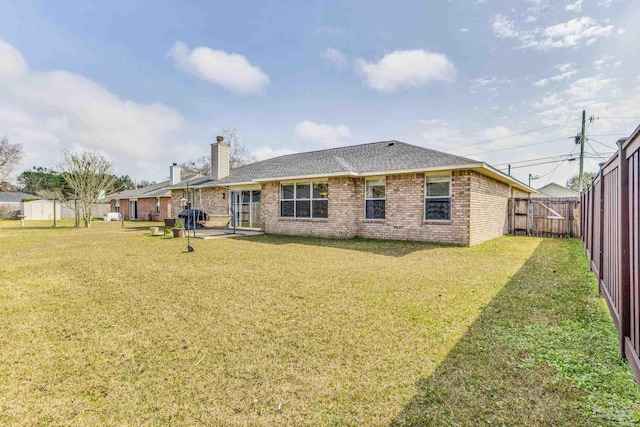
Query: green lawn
point(112, 326)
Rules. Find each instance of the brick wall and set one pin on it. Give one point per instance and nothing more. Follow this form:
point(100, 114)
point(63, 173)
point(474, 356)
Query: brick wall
point(341, 218)
point(124, 208)
point(489, 208)
point(404, 212)
point(146, 206)
point(209, 200)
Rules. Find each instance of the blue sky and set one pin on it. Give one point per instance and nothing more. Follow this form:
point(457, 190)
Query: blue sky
point(152, 83)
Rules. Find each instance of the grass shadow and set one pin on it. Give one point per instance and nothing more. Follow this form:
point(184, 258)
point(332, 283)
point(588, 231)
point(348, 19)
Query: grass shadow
point(395, 248)
point(542, 352)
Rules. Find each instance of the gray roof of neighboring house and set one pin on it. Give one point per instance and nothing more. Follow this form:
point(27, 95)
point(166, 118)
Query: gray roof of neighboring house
point(154, 190)
point(380, 156)
point(15, 197)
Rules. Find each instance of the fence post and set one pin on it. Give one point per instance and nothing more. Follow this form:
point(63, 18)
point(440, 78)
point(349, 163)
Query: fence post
point(601, 226)
point(624, 270)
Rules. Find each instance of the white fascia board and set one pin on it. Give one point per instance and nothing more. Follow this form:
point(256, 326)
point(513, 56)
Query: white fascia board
point(506, 178)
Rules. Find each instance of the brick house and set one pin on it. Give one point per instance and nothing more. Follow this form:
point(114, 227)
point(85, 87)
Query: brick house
point(385, 190)
point(150, 203)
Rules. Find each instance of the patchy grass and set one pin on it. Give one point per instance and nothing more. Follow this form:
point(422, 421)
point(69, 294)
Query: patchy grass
point(114, 326)
point(543, 352)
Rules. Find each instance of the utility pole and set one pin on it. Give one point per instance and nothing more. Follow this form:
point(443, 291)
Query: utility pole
point(584, 114)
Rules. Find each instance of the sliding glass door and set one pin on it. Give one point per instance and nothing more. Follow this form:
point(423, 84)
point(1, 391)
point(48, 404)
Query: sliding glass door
point(245, 208)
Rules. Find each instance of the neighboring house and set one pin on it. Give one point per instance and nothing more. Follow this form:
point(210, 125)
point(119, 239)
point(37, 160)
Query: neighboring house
point(10, 203)
point(150, 203)
point(386, 190)
point(555, 190)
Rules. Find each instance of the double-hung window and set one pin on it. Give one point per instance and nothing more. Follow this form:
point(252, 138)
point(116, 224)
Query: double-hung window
point(157, 205)
point(375, 193)
point(117, 205)
point(437, 198)
point(304, 200)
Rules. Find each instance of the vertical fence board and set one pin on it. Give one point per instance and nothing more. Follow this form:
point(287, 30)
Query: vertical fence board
point(611, 238)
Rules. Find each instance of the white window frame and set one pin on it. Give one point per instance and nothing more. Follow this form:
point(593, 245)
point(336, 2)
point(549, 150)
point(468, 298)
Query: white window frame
point(311, 199)
point(157, 206)
point(450, 197)
point(366, 183)
point(116, 205)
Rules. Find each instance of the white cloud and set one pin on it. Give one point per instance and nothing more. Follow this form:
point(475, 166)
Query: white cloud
point(334, 56)
point(12, 64)
point(229, 70)
point(464, 30)
point(574, 7)
point(503, 27)
point(574, 33)
point(53, 110)
point(482, 82)
point(325, 134)
point(432, 122)
point(563, 68)
point(264, 153)
point(406, 68)
point(541, 83)
point(330, 30)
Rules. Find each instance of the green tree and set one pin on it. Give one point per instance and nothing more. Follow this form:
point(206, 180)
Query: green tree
point(574, 182)
point(40, 178)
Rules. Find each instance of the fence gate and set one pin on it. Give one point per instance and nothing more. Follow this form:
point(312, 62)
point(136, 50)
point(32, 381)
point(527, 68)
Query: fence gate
point(548, 217)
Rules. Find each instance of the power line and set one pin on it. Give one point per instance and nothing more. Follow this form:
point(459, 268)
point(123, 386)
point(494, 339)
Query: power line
point(594, 150)
point(521, 146)
point(601, 143)
point(610, 117)
point(571, 159)
point(511, 136)
point(531, 160)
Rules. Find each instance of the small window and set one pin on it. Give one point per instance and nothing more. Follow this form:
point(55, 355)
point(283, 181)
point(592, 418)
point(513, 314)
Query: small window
point(375, 194)
point(437, 198)
point(304, 200)
point(117, 206)
point(157, 205)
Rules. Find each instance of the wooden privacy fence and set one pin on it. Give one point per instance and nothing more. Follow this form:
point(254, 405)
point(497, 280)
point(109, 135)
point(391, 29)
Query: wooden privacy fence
point(545, 217)
point(611, 237)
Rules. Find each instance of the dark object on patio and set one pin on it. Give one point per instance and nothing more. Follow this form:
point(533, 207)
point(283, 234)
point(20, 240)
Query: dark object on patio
point(168, 224)
point(192, 216)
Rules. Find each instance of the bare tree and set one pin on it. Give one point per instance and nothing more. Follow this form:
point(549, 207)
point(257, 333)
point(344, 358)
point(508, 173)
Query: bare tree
point(194, 167)
point(10, 155)
point(239, 155)
point(89, 176)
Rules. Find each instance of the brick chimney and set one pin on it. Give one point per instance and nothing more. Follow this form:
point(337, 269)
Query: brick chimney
point(174, 174)
point(220, 160)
